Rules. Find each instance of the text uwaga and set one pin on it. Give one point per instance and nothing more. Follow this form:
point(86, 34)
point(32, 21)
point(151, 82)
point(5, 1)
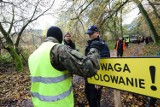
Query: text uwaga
point(118, 68)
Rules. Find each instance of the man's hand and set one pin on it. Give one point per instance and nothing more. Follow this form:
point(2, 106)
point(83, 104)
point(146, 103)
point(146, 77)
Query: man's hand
point(98, 87)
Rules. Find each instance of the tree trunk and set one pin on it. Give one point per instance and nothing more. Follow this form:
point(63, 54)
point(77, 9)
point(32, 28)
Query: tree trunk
point(10, 48)
point(154, 10)
point(121, 27)
point(115, 27)
point(16, 58)
point(115, 30)
point(154, 34)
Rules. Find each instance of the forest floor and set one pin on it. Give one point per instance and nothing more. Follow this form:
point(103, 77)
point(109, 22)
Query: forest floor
point(15, 87)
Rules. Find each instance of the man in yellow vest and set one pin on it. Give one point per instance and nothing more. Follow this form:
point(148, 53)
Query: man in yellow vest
point(51, 68)
point(127, 41)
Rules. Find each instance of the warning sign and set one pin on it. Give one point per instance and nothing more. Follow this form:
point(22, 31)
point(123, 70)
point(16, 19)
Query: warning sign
point(138, 75)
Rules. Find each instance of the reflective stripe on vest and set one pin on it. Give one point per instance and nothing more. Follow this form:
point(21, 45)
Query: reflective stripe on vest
point(51, 98)
point(48, 80)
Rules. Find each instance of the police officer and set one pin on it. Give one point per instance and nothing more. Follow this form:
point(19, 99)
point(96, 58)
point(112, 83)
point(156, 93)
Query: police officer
point(93, 92)
point(51, 66)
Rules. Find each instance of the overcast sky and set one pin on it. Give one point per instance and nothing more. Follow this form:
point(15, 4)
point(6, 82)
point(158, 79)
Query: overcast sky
point(46, 21)
point(128, 18)
point(49, 20)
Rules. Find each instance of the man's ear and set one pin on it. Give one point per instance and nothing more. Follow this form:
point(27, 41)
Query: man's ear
point(98, 34)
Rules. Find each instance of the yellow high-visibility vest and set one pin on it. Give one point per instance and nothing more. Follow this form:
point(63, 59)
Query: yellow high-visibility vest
point(49, 87)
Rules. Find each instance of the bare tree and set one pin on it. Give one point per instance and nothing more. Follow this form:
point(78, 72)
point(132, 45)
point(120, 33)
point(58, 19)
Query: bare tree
point(15, 18)
point(83, 8)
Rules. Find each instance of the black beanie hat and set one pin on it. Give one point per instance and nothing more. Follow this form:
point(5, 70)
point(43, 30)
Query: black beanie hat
point(55, 32)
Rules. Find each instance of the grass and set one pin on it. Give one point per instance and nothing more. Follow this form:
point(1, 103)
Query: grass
point(5, 57)
point(111, 44)
point(151, 49)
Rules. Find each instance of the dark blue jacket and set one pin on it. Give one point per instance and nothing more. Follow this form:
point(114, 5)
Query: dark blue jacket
point(104, 52)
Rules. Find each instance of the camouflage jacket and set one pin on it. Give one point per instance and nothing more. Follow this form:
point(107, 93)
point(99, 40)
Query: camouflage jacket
point(65, 58)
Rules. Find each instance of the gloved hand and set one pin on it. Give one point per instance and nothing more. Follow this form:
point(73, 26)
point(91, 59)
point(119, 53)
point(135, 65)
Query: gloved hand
point(97, 45)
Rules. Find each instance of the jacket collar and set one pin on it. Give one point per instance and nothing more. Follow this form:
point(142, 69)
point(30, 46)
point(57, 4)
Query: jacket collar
point(96, 39)
point(51, 39)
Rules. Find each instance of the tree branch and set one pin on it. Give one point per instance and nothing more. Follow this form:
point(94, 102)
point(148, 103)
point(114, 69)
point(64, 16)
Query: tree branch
point(3, 31)
point(11, 25)
point(83, 10)
point(5, 34)
point(113, 12)
point(156, 3)
point(1, 42)
point(31, 20)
